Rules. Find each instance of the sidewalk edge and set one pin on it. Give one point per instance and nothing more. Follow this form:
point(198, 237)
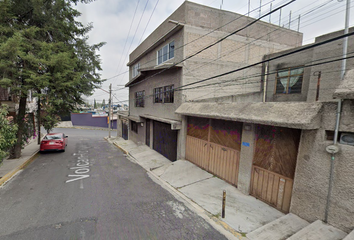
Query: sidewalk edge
point(13, 172)
point(218, 221)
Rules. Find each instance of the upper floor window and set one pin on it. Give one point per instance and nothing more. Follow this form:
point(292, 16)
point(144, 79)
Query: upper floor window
point(164, 94)
point(168, 94)
point(158, 94)
point(135, 69)
point(139, 99)
point(289, 80)
point(166, 52)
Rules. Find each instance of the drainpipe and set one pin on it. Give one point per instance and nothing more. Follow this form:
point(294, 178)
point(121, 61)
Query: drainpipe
point(339, 107)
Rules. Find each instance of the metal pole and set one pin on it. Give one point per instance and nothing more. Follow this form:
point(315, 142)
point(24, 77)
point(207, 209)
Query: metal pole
point(339, 107)
point(298, 23)
point(249, 8)
point(223, 204)
point(289, 19)
point(270, 15)
point(109, 113)
point(280, 16)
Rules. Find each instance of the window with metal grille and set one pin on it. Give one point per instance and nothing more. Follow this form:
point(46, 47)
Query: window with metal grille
point(289, 80)
point(139, 99)
point(134, 126)
point(166, 52)
point(158, 95)
point(168, 94)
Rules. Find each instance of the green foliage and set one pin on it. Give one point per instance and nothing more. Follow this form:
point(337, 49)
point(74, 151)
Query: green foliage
point(7, 133)
point(94, 104)
point(43, 48)
point(49, 121)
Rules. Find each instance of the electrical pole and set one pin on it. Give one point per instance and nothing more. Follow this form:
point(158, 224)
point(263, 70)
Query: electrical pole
point(109, 113)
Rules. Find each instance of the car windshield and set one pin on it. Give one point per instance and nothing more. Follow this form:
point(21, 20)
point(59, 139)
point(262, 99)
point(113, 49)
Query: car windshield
point(51, 137)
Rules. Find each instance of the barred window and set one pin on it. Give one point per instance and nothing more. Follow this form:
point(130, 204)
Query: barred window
point(158, 95)
point(289, 80)
point(140, 99)
point(168, 94)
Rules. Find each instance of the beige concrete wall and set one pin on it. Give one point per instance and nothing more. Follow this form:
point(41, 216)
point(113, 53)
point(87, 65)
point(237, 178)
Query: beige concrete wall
point(235, 52)
point(312, 174)
point(246, 158)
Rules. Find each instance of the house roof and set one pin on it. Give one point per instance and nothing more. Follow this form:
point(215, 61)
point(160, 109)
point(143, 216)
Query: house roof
point(143, 71)
point(345, 90)
point(283, 114)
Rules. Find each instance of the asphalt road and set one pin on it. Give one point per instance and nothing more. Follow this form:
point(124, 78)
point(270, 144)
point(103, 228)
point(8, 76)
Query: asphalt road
point(92, 191)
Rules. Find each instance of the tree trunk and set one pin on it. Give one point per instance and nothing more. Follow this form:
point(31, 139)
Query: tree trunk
point(16, 150)
point(39, 117)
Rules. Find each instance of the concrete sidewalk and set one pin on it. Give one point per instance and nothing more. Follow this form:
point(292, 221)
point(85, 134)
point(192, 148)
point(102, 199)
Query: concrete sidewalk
point(243, 213)
point(10, 167)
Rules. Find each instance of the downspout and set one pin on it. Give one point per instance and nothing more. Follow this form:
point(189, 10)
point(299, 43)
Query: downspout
point(339, 108)
point(265, 82)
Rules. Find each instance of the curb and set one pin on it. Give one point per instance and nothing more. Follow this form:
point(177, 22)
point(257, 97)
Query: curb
point(219, 222)
point(13, 172)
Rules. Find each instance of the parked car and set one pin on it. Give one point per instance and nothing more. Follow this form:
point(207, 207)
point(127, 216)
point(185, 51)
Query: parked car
point(54, 142)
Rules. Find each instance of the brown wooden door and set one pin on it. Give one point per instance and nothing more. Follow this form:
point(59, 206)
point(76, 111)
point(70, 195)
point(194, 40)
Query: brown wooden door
point(165, 140)
point(214, 146)
point(274, 165)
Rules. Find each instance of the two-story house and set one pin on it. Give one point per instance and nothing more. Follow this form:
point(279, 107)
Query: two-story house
point(288, 156)
point(185, 49)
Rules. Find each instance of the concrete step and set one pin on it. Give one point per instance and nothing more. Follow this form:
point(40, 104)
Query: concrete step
point(350, 236)
point(279, 229)
point(318, 230)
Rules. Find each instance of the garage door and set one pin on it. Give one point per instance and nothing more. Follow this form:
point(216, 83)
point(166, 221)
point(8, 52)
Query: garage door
point(165, 140)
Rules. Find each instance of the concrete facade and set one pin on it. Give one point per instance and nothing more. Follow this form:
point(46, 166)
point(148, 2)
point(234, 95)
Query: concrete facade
point(191, 28)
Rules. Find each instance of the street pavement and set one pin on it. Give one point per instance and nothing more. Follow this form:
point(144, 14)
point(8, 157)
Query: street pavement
point(92, 191)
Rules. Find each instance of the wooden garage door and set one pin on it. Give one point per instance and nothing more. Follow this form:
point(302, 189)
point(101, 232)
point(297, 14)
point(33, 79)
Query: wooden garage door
point(214, 145)
point(274, 165)
point(165, 140)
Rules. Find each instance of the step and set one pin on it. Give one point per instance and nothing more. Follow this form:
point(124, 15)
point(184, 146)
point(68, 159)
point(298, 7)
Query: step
point(279, 229)
point(318, 230)
point(350, 236)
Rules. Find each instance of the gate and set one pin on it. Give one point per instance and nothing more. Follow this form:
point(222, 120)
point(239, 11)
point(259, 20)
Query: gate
point(125, 130)
point(214, 145)
point(274, 165)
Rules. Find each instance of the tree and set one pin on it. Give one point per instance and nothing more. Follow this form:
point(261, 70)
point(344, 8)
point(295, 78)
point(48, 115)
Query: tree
point(94, 104)
point(103, 103)
point(43, 48)
point(7, 133)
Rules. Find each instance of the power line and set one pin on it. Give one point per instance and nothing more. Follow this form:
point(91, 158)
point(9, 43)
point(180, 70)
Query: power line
point(195, 39)
point(274, 58)
point(148, 21)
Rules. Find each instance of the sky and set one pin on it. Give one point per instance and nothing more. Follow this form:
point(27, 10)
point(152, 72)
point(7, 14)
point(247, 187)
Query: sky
point(124, 24)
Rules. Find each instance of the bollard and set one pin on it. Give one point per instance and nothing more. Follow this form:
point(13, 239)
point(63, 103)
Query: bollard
point(223, 204)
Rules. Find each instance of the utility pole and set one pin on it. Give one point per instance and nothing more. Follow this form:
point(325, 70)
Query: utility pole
point(109, 113)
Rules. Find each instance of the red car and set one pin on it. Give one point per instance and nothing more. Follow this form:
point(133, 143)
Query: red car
point(54, 142)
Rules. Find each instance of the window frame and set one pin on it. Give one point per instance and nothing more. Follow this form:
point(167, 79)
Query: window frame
point(169, 53)
point(135, 70)
point(170, 92)
point(289, 69)
point(140, 98)
point(158, 95)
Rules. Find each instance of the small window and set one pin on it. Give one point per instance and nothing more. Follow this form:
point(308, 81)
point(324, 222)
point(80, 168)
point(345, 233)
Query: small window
point(140, 99)
point(135, 70)
point(134, 126)
point(166, 52)
point(168, 94)
point(289, 80)
point(158, 95)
